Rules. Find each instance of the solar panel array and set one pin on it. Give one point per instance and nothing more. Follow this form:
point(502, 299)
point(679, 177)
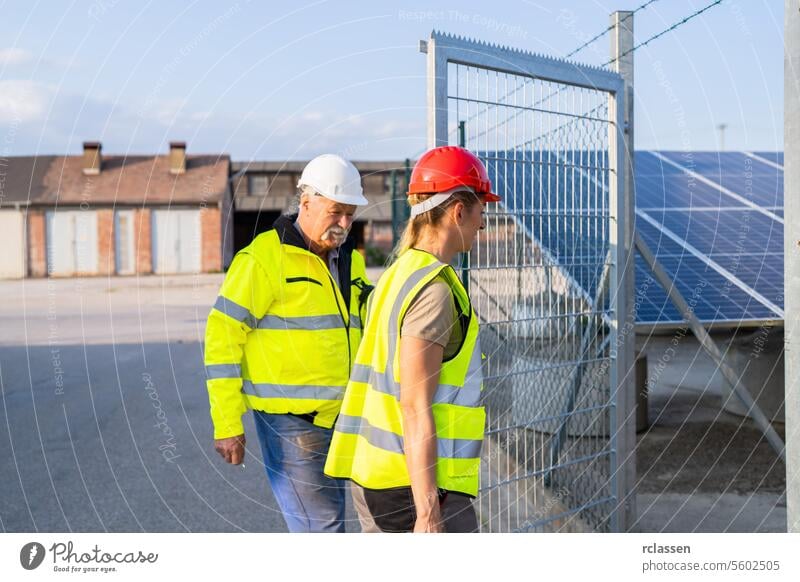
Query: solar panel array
point(713, 219)
point(715, 222)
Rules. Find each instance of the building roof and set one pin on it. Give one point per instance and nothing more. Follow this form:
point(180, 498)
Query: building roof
point(297, 167)
point(51, 180)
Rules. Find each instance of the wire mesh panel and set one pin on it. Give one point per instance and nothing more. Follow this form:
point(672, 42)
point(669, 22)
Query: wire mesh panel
point(542, 278)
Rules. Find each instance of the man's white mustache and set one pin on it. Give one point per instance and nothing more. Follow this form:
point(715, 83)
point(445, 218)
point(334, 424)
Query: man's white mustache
point(337, 233)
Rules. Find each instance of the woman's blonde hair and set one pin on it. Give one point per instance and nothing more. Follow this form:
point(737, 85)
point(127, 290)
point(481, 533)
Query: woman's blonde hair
point(432, 218)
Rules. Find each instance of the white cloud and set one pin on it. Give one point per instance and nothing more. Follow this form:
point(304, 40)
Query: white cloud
point(168, 111)
point(22, 101)
point(10, 57)
point(368, 136)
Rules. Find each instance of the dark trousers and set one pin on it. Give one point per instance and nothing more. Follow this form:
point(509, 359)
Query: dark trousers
point(393, 510)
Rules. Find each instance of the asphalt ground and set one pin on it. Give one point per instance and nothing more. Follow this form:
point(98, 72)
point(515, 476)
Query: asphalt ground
point(105, 412)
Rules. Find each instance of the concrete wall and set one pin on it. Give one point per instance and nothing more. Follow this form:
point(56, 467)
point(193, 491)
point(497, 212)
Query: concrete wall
point(676, 360)
point(758, 357)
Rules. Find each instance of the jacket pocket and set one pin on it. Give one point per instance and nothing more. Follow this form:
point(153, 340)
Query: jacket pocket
point(306, 279)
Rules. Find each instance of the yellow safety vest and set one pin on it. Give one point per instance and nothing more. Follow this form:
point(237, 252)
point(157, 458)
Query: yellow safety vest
point(367, 444)
point(282, 336)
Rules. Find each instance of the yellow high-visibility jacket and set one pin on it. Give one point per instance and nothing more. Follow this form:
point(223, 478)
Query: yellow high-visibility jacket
point(282, 336)
point(367, 444)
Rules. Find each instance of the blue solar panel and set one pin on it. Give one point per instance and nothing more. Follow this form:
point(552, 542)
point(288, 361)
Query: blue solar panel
point(714, 223)
point(745, 176)
point(710, 294)
point(722, 248)
point(742, 231)
point(773, 157)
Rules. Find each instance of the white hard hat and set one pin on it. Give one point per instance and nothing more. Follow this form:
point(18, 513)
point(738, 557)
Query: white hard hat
point(334, 177)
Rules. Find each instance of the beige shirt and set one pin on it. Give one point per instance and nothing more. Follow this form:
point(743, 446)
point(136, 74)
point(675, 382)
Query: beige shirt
point(432, 316)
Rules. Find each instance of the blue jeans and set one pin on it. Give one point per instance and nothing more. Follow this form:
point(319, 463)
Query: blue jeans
point(294, 456)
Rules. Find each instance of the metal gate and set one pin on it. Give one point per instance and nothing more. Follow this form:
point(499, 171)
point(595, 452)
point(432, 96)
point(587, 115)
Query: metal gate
point(543, 277)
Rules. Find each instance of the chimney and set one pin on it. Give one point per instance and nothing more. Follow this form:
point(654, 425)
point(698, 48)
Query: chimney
point(92, 157)
point(177, 157)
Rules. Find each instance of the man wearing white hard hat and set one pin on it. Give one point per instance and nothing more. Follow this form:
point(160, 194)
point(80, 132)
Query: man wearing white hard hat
point(281, 340)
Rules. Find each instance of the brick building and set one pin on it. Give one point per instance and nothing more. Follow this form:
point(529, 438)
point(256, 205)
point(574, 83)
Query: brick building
point(104, 215)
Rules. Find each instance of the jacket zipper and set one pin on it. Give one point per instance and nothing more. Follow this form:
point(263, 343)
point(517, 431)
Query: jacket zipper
point(341, 314)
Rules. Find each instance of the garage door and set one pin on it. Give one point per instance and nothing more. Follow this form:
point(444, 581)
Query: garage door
point(72, 242)
point(12, 259)
point(176, 241)
point(123, 242)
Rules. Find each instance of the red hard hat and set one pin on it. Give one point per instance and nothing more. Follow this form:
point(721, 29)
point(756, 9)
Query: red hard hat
point(447, 167)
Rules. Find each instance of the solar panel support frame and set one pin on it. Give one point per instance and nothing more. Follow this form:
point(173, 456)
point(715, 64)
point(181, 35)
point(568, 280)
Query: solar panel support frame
point(711, 348)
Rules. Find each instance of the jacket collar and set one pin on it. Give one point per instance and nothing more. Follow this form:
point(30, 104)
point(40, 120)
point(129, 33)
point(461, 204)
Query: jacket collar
point(288, 235)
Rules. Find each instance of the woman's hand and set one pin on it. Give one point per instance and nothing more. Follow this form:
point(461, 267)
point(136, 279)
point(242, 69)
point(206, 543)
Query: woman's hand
point(431, 521)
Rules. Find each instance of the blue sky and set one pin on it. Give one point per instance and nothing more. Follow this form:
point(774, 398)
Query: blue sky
point(288, 80)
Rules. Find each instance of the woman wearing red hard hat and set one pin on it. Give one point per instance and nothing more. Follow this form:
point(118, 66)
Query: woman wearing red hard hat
point(411, 426)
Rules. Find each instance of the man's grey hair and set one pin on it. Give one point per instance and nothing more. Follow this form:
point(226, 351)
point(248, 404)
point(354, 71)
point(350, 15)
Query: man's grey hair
point(294, 205)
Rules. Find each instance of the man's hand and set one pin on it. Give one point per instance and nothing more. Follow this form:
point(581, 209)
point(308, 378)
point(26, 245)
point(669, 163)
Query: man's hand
point(231, 449)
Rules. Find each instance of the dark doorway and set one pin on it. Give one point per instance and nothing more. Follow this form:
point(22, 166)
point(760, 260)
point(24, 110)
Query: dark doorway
point(357, 234)
point(248, 225)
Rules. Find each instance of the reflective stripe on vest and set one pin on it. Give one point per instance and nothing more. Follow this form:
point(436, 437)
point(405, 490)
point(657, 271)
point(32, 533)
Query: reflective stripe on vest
point(389, 441)
point(469, 395)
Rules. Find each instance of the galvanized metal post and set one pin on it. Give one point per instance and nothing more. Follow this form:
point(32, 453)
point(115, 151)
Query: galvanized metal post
point(400, 208)
point(791, 203)
point(462, 141)
point(437, 95)
point(395, 209)
point(622, 43)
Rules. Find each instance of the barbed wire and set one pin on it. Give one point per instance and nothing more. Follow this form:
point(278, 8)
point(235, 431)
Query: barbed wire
point(665, 31)
point(609, 29)
point(611, 61)
point(568, 55)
